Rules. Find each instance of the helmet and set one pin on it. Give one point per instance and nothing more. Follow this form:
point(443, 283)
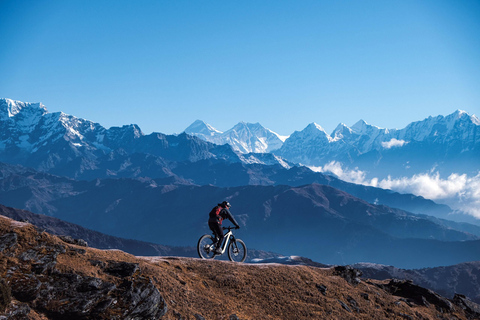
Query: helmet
point(225, 204)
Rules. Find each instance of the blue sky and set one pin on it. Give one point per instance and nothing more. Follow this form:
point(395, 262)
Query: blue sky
point(285, 64)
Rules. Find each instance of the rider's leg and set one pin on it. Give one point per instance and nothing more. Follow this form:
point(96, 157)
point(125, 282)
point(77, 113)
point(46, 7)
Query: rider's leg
point(218, 231)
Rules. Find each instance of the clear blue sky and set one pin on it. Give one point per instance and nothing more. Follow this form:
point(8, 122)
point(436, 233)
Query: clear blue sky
point(285, 64)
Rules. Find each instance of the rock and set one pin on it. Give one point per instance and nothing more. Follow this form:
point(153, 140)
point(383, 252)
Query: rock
point(418, 295)
point(121, 269)
point(5, 296)
point(25, 288)
point(141, 300)
point(19, 311)
point(471, 308)
point(344, 306)
point(351, 275)
point(353, 304)
point(8, 240)
point(98, 263)
point(44, 257)
point(322, 289)
point(78, 242)
point(74, 296)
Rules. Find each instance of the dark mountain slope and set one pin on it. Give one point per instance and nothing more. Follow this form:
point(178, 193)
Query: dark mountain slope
point(317, 221)
point(100, 240)
point(462, 278)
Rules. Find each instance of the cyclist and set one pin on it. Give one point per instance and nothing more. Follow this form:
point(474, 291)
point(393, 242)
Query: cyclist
point(216, 216)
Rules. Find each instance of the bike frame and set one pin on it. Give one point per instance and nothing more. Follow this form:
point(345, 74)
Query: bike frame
point(226, 239)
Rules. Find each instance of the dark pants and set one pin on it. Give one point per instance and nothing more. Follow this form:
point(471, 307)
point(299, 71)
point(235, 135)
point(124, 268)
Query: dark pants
point(217, 232)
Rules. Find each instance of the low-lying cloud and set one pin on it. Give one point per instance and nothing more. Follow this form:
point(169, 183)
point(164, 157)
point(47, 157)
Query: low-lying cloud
point(393, 143)
point(458, 191)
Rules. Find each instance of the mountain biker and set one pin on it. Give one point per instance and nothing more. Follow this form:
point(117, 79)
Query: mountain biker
point(216, 216)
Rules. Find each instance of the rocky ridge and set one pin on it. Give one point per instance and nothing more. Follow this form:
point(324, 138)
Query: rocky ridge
point(43, 277)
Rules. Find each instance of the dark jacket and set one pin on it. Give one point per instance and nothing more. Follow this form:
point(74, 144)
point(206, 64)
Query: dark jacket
point(222, 215)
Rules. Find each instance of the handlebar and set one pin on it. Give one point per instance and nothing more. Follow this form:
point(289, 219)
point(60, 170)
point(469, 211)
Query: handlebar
point(230, 228)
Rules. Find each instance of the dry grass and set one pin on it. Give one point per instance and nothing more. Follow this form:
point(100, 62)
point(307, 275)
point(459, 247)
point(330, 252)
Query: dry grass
point(218, 289)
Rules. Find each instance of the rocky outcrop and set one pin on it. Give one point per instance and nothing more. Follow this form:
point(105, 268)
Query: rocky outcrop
point(5, 295)
point(36, 284)
point(472, 309)
point(351, 275)
point(418, 295)
point(463, 278)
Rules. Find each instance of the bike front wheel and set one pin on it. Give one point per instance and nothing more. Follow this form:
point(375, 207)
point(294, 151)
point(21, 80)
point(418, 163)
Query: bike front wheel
point(237, 251)
point(206, 247)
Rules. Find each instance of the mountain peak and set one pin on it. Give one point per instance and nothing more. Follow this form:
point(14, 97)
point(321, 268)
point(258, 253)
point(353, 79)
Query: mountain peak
point(10, 108)
point(461, 114)
point(362, 127)
point(341, 130)
point(314, 126)
point(199, 127)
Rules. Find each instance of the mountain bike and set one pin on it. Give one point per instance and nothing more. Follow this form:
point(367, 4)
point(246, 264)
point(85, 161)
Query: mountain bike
point(237, 251)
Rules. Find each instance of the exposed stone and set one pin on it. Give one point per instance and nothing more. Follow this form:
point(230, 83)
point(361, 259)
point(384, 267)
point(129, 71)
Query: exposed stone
point(25, 288)
point(121, 269)
point(353, 304)
point(471, 308)
point(8, 240)
point(322, 289)
point(141, 299)
point(5, 295)
point(78, 242)
point(98, 263)
point(351, 275)
point(18, 311)
point(365, 296)
point(418, 295)
point(344, 306)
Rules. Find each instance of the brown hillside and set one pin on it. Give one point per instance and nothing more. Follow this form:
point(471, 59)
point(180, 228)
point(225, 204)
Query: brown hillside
point(43, 277)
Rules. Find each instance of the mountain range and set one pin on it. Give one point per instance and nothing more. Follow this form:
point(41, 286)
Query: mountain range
point(64, 145)
point(124, 183)
point(446, 143)
point(313, 220)
point(244, 137)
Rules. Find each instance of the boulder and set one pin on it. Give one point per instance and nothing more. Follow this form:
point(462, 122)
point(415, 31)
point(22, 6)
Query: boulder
point(418, 295)
point(351, 275)
point(472, 309)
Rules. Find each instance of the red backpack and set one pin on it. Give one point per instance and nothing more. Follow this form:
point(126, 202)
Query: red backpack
point(215, 213)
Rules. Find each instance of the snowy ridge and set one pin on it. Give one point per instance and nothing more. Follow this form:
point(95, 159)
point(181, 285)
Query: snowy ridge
point(28, 132)
point(243, 137)
point(313, 146)
point(30, 127)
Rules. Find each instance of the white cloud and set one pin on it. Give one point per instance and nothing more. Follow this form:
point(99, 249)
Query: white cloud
point(355, 176)
point(393, 143)
point(458, 191)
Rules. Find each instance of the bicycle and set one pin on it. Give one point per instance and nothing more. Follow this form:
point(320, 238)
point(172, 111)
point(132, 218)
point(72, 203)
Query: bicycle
point(237, 251)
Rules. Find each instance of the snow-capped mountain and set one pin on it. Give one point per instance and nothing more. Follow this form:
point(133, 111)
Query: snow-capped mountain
point(450, 143)
point(203, 130)
point(66, 145)
point(31, 136)
point(243, 137)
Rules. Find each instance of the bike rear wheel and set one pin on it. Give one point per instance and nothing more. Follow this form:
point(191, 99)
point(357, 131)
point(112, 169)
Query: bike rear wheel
point(237, 251)
point(206, 247)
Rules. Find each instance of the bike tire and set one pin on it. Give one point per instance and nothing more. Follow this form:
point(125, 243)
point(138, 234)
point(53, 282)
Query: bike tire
point(237, 251)
point(205, 247)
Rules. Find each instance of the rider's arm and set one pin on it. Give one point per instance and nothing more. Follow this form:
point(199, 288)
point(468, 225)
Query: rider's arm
point(231, 218)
